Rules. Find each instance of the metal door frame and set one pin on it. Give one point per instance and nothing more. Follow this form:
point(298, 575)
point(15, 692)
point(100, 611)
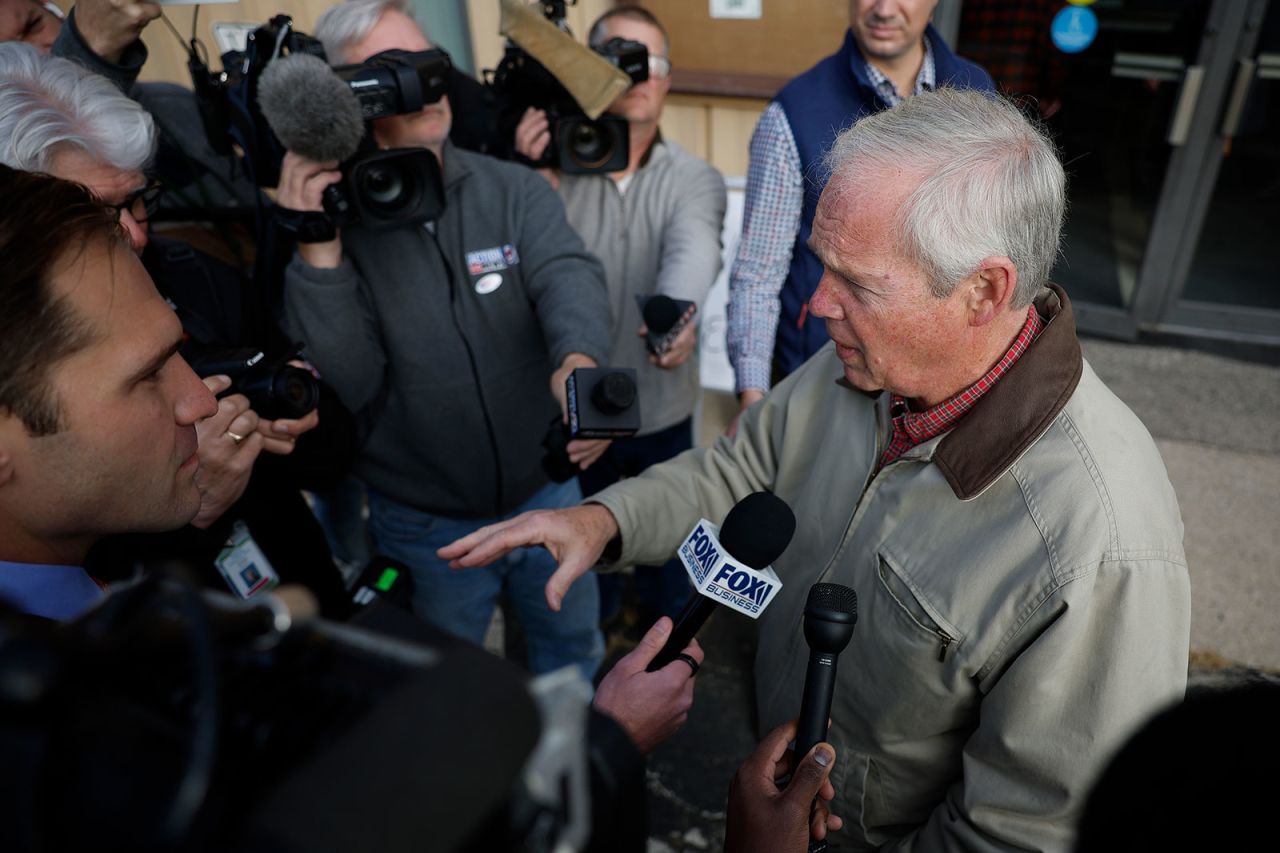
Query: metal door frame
point(1231, 32)
point(1162, 308)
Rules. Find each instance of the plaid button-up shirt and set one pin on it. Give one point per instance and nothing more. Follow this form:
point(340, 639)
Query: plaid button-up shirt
point(913, 428)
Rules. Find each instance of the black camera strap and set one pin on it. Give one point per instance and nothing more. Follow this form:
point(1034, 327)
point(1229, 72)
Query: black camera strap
point(307, 226)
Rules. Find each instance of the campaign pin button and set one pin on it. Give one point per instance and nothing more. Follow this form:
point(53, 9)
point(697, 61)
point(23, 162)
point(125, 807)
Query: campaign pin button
point(488, 283)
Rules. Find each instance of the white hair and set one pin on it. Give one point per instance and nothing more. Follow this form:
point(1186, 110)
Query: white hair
point(48, 104)
point(992, 184)
point(344, 24)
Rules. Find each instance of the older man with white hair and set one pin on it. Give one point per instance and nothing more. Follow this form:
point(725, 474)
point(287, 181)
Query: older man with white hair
point(1007, 523)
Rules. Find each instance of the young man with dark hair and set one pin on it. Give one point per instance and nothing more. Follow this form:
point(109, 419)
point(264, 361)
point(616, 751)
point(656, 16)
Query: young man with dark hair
point(97, 409)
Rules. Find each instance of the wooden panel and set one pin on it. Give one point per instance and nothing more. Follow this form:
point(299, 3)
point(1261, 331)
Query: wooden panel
point(689, 125)
point(790, 36)
point(168, 57)
point(731, 128)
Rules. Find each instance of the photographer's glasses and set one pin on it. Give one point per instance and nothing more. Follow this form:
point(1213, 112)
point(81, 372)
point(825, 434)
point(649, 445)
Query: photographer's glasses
point(659, 67)
point(141, 203)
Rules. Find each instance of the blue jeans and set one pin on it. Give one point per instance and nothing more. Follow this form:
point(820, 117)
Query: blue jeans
point(462, 601)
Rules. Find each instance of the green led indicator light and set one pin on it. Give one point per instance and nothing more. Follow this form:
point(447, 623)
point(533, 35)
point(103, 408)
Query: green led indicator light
point(387, 579)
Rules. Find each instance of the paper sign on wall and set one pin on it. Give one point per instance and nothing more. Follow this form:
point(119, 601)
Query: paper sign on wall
point(736, 8)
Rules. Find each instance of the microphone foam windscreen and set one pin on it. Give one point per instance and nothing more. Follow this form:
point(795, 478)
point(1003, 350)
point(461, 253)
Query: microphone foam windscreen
point(758, 529)
point(832, 597)
point(660, 313)
point(312, 111)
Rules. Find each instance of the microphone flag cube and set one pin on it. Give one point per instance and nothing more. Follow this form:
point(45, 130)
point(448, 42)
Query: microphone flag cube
point(716, 575)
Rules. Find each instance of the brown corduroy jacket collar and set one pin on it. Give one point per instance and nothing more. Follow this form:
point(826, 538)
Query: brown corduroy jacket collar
point(1019, 408)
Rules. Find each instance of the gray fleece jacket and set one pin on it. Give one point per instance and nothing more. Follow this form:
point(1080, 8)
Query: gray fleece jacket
point(443, 343)
point(661, 236)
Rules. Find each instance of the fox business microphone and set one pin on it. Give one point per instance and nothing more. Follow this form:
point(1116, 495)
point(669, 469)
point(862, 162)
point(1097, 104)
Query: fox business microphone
point(730, 566)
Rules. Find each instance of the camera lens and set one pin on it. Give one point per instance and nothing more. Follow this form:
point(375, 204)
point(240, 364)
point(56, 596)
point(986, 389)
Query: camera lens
point(295, 392)
point(590, 144)
point(382, 187)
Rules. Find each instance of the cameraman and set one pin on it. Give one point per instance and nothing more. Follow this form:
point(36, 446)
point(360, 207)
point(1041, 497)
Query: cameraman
point(58, 118)
point(451, 340)
point(670, 206)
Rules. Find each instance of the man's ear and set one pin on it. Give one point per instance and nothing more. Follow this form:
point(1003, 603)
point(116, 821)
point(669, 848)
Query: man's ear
point(990, 290)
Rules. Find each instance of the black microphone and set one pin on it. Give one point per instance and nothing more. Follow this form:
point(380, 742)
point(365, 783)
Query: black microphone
point(664, 318)
point(829, 617)
point(310, 109)
point(754, 534)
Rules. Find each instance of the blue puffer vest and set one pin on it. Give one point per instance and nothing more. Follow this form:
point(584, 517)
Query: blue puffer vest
point(818, 104)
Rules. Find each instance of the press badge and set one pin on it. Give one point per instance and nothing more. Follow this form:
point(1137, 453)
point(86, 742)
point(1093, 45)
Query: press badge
point(243, 565)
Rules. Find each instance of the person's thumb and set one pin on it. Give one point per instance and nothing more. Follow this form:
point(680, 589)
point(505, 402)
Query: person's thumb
point(650, 644)
point(560, 581)
point(811, 775)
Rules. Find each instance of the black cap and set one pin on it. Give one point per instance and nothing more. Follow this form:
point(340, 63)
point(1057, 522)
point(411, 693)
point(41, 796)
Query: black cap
point(832, 601)
point(614, 393)
point(661, 313)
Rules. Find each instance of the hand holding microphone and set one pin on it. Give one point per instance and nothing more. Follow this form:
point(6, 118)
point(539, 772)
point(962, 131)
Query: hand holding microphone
point(668, 333)
point(650, 706)
point(829, 618)
point(730, 565)
point(770, 807)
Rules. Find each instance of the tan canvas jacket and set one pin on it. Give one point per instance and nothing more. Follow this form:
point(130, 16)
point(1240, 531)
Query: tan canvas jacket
point(1023, 595)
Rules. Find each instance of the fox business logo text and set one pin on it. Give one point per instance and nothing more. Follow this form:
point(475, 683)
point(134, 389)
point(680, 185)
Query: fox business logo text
point(700, 553)
point(740, 589)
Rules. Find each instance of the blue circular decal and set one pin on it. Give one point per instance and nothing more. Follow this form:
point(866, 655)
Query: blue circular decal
point(1074, 29)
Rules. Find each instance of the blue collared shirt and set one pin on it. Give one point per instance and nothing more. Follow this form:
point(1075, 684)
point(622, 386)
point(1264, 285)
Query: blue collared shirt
point(54, 592)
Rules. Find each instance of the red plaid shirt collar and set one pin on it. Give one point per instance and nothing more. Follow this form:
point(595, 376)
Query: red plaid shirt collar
point(913, 428)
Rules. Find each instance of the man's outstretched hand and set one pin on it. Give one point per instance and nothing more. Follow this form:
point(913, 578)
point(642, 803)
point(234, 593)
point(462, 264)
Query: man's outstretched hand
point(576, 537)
point(650, 706)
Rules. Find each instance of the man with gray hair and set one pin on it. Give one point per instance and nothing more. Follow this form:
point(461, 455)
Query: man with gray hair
point(451, 340)
point(1007, 523)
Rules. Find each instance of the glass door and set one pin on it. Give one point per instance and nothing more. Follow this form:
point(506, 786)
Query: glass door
point(1131, 95)
point(1228, 260)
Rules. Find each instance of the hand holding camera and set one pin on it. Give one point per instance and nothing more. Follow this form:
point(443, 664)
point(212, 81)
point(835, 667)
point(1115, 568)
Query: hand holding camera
point(302, 186)
point(228, 445)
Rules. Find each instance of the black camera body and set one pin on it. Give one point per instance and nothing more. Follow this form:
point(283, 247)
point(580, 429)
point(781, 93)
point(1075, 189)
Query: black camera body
point(579, 145)
point(395, 82)
point(275, 388)
point(630, 56)
point(382, 189)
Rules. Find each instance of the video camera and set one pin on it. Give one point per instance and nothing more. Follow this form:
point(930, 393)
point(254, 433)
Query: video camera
point(167, 719)
point(579, 145)
point(380, 187)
